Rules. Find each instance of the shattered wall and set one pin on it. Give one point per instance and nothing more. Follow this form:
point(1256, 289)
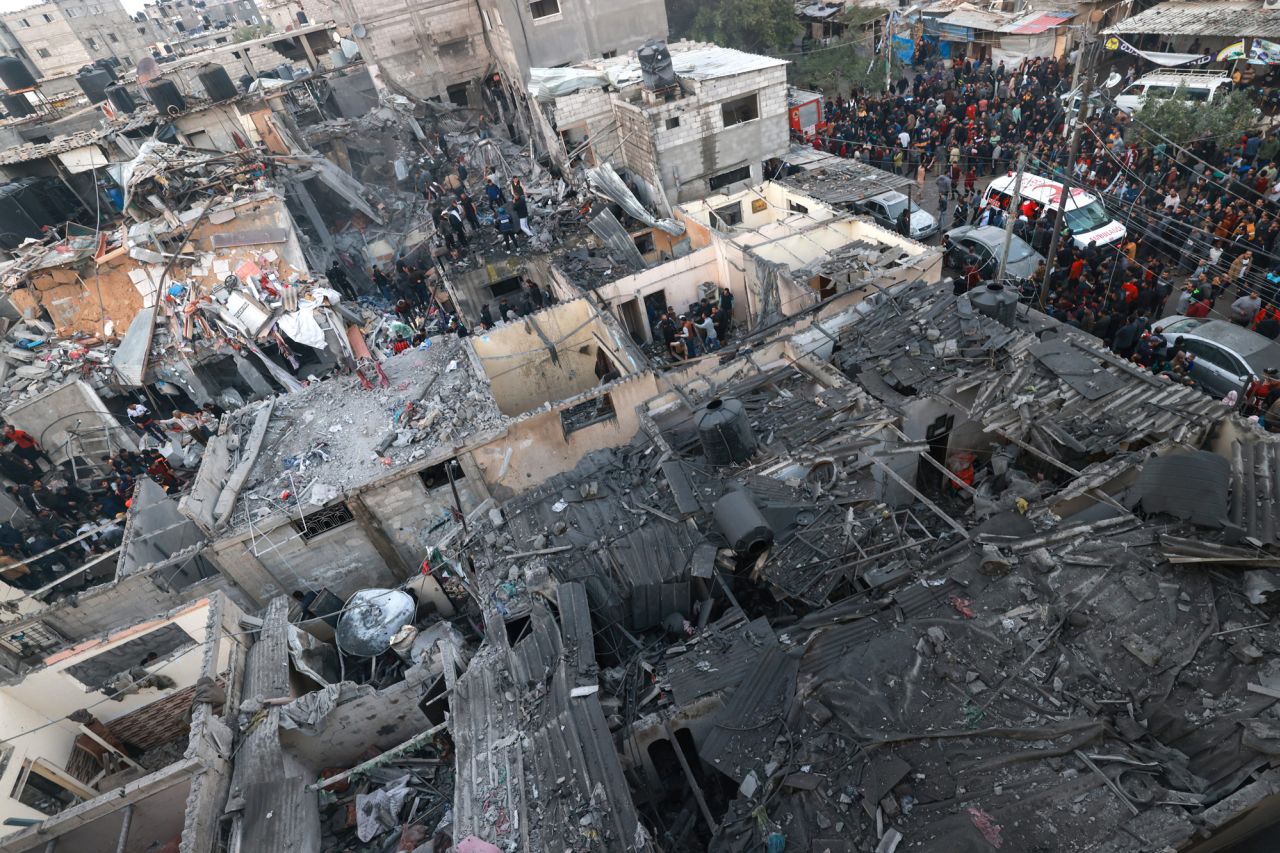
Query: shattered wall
point(536, 447)
point(80, 299)
point(546, 356)
point(73, 406)
point(422, 49)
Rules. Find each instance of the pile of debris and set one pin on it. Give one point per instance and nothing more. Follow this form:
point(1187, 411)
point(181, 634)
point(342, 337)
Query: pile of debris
point(335, 435)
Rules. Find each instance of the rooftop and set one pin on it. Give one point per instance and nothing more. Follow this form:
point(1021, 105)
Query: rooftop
point(301, 450)
point(1227, 18)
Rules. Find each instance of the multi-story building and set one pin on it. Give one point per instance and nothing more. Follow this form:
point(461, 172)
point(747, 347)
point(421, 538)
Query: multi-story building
point(528, 34)
point(180, 17)
point(60, 36)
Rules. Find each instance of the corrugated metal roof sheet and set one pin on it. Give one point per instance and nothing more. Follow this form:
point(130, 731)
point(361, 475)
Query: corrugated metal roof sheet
point(718, 660)
point(537, 768)
point(1227, 18)
point(1036, 22)
point(976, 19)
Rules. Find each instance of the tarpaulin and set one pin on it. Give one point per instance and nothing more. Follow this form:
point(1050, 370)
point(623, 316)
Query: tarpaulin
point(547, 84)
point(302, 327)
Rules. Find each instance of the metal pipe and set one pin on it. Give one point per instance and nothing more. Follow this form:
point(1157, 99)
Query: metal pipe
point(125, 825)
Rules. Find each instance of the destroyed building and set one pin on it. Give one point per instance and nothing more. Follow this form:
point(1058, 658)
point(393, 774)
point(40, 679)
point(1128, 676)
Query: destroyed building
point(125, 736)
point(679, 122)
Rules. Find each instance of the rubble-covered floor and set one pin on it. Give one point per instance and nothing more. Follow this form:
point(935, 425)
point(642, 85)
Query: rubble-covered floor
point(327, 436)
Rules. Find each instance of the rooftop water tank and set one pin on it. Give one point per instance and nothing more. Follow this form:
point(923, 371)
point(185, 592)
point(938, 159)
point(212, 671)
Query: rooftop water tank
point(995, 301)
point(121, 98)
point(94, 82)
point(109, 65)
point(741, 523)
point(656, 71)
point(14, 74)
point(164, 95)
point(284, 71)
point(725, 432)
point(17, 106)
point(216, 82)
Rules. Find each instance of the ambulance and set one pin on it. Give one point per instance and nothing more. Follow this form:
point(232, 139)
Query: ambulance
point(1086, 215)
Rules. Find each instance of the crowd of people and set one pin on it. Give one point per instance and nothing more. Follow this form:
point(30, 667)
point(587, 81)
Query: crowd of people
point(1201, 220)
point(702, 329)
point(66, 526)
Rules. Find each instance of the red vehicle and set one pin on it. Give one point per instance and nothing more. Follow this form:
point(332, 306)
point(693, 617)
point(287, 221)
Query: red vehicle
point(804, 112)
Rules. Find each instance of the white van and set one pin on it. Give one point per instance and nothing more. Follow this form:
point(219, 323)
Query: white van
point(1085, 215)
point(1192, 86)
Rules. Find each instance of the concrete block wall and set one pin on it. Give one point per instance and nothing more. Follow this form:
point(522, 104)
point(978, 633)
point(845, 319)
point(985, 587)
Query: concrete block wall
point(405, 40)
point(159, 723)
point(408, 511)
point(342, 559)
point(129, 600)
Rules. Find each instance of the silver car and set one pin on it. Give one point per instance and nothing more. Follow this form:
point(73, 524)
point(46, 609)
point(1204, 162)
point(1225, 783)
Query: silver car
point(1228, 357)
point(886, 207)
point(986, 243)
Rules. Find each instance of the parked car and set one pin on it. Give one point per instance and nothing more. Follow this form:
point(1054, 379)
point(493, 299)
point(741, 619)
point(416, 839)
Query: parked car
point(1193, 86)
point(1228, 357)
point(886, 207)
point(987, 242)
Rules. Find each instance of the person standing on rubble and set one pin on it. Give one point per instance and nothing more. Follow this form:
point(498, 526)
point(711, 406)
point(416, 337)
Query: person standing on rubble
point(506, 229)
point(469, 211)
point(25, 446)
point(493, 193)
point(140, 416)
point(520, 204)
point(338, 278)
point(486, 317)
point(162, 472)
point(454, 216)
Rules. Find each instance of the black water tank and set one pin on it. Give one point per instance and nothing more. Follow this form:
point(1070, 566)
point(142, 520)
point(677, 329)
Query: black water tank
point(17, 106)
point(165, 96)
point(121, 98)
point(33, 196)
point(656, 71)
point(741, 523)
point(996, 301)
point(106, 64)
point(284, 71)
point(725, 432)
point(15, 223)
point(246, 81)
point(94, 82)
point(216, 82)
point(14, 74)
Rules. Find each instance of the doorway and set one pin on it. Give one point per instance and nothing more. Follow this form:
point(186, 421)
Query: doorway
point(938, 435)
point(634, 321)
point(654, 304)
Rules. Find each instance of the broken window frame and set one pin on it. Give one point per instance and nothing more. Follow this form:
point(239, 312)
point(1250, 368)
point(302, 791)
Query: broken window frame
point(740, 110)
point(731, 176)
point(729, 214)
point(568, 427)
point(536, 5)
point(323, 520)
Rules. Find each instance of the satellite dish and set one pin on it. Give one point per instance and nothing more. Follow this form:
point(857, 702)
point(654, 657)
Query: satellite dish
point(1112, 81)
point(359, 31)
point(371, 618)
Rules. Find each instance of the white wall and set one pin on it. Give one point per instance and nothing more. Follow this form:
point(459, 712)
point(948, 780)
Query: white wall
point(33, 712)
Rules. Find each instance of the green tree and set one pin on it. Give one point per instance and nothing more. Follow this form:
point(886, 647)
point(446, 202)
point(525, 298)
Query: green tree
point(253, 31)
point(759, 26)
point(1183, 122)
point(839, 69)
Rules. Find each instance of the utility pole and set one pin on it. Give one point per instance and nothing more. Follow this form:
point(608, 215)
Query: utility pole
point(1079, 105)
point(1011, 215)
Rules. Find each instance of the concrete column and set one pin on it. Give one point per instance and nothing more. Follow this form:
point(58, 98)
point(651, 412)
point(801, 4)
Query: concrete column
point(397, 568)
